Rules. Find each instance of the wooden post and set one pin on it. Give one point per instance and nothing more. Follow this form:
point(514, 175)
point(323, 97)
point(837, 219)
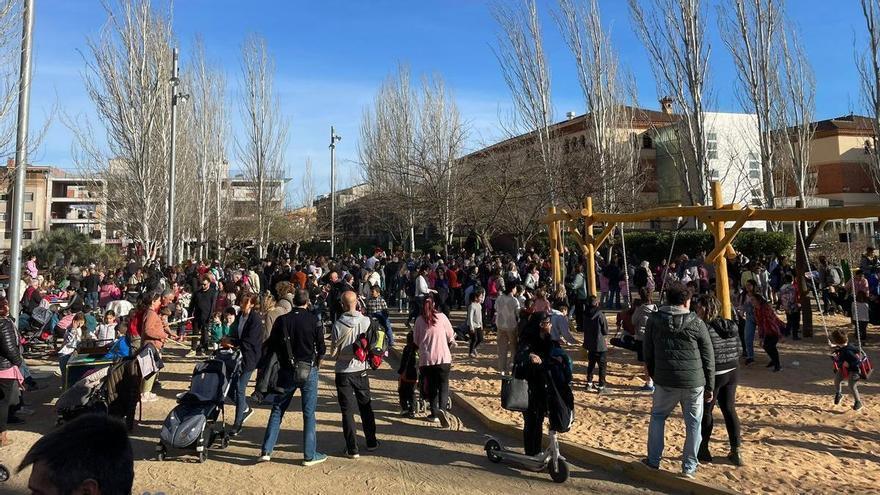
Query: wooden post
point(591, 248)
point(552, 235)
point(722, 284)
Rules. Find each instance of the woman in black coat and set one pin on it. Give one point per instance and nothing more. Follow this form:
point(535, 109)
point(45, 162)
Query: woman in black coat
point(10, 359)
point(247, 335)
point(533, 354)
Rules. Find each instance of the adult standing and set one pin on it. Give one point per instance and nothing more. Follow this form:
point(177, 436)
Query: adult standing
point(680, 359)
point(352, 381)
point(248, 336)
point(595, 331)
point(579, 291)
point(91, 283)
point(434, 336)
point(10, 374)
point(201, 308)
point(726, 347)
point(422, 291)
point(296, 338)
point(154, 332)
point(507, 310)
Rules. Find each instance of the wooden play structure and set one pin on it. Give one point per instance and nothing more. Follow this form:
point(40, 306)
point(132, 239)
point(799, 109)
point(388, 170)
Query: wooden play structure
point(715, 217)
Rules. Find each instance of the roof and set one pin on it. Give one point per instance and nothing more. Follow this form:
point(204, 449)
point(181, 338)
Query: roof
point(846, 123)
point(642, 118)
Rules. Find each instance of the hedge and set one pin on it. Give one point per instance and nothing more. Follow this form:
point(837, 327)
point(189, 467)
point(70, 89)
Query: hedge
point(654, 246)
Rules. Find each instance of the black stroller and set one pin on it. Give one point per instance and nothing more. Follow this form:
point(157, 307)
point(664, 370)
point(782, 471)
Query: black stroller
point(198, 421)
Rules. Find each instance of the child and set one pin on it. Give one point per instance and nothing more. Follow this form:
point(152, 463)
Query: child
point(475, 321)
point(860, 314)
point(846, 359)
point(221, 326)
point(377, 308)
point(409, 376)
point(72, 337)
point(91, 321)
point(106, 331)
point(540, 304)
point(769, 329)
point(595, 330)
point(789, 299)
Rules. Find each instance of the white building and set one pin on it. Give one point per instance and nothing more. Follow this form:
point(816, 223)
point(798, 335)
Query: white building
point(734, 160)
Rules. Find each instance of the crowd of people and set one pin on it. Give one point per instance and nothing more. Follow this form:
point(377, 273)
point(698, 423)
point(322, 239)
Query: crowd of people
point(286, 316)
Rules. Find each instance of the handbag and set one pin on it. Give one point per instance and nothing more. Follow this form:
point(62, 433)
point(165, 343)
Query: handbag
point(514, 394)
point(301, 369)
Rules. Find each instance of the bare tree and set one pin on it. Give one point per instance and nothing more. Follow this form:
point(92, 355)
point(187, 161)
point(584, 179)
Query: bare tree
point(261, 148)
point(798, 94)
point(520, 52)
point(752, 32)
point(608, 151)
point(210, 132)
point(868, 64)
point(674, 35)
point(126, 77)
point(10, 39)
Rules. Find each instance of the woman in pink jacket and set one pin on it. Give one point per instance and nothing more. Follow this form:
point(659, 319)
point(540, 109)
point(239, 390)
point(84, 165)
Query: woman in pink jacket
point(434, 337)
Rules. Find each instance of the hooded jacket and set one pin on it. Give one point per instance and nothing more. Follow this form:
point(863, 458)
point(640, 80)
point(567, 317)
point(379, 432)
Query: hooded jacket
point(678, 349)
point(595, 330)
point(345, 332)
point(725, 342)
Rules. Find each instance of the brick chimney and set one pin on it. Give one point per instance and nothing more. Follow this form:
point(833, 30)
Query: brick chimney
point(666, 105)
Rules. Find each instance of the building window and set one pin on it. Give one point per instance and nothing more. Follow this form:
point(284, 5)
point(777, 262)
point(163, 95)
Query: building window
point(28, 216)
point(756, 193)
point(4, 197)
point(27, 235)
point(712, 146)
point(28, 197)
point(714, 174)
point(2, 216)
point(647, 142)
point(754, 174)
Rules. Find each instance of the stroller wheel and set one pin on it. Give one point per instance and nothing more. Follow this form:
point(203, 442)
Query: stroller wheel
point(224, 441)
point(203, 456)
point(449, 403)
point(4, 474)
point(492, 448)
point(160, 456)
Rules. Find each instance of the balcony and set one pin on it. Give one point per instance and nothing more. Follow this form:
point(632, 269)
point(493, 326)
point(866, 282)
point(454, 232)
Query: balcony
point(75, 192)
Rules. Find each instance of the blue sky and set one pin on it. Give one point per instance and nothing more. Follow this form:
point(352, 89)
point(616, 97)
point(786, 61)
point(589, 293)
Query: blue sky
point(332, 56)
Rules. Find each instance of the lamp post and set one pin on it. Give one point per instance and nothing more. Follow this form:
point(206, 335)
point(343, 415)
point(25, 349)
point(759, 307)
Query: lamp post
point(172, 166)
point(21, 142)
point(334, 138)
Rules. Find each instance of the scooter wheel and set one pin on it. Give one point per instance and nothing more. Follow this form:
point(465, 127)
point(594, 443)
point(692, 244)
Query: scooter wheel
point(160, 456)
point(560, 474)
point(4, 474)
point(203, 456)
point(224, 441)
point(492, 448)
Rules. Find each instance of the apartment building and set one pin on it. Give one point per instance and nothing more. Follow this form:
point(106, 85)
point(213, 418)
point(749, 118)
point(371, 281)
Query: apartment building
point(35, 205)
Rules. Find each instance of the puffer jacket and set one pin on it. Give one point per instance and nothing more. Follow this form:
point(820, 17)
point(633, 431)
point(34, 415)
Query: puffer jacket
point(678, 349)
point(595, 330)
point(725, 342)
point(10, 354)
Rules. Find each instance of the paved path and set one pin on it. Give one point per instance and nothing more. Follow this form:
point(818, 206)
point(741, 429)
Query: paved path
point(414, 457)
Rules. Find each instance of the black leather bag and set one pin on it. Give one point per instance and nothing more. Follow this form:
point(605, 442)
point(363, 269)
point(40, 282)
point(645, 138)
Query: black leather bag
point(301, 369)
point(514, 394)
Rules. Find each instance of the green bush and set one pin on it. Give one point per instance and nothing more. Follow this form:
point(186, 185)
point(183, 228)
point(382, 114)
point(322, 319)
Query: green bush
point(756, 244)
point(654, 246)
point(71, 247)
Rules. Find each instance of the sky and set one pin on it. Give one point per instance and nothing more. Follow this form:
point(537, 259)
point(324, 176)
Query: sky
point(331, 57)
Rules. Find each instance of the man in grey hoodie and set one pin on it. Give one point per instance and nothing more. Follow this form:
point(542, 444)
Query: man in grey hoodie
point(679, 356)
point(352, 382)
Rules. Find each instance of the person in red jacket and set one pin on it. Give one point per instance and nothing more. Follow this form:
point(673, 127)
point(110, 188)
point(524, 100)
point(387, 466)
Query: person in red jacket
point(456, 296)
point(769, 329)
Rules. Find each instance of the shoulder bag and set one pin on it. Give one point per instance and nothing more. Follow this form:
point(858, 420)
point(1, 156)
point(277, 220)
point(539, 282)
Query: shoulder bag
point(301, 369)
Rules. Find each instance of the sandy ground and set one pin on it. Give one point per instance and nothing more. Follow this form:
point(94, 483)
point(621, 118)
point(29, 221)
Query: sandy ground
point(414, 457)
point(795, 439)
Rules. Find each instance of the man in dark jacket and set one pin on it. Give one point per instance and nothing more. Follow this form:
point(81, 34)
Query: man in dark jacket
point(296, 337)
point(248, 337)
point(595, 330)
point(201, 309)
point(679, 356)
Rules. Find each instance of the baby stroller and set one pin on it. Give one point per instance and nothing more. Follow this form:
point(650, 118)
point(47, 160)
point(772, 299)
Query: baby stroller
point(87, 395)
point(193, 424)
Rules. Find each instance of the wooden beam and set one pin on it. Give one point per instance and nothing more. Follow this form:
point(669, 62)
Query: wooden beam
point(553, 235)
point(651, 214)
point(555, 217)
point(590, 247)
point(609, 228)
point(722, 284)
point(814, 232)
point(721, 246)
point(796, 214)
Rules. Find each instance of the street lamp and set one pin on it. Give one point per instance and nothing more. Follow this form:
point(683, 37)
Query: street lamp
point(334, 138)
point(174, 82)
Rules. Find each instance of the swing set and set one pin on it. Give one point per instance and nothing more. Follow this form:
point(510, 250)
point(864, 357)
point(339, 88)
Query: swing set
point(715, 217)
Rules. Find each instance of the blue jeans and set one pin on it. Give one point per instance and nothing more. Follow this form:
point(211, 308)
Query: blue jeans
point(613, 297)
point(240, 398)
point(665, 400)
point(309, 396)
point(91, 299)
point(750, 338)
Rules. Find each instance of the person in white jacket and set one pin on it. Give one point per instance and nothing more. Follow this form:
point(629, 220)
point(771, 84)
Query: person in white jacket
point(506, 319)
point(475, 321)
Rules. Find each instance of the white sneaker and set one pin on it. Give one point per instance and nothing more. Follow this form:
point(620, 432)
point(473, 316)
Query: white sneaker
point(265, 458)
point(190, 354)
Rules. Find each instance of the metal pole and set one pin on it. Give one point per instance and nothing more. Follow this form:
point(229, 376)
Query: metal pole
point(334, 138)
point(172, 166)
point(21, 142)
